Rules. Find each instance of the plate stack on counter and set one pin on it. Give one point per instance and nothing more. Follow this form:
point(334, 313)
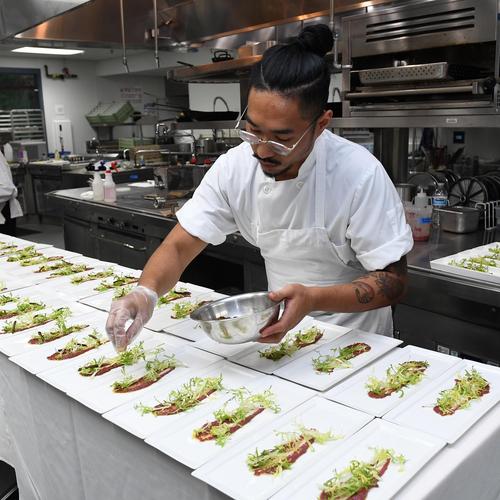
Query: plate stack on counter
point(296, 419)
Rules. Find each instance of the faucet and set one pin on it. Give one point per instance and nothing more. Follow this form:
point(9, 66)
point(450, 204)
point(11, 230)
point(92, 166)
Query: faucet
point(219, 98)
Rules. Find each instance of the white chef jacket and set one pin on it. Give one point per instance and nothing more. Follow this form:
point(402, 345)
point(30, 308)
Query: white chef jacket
point(364, 217)
point(8, 191)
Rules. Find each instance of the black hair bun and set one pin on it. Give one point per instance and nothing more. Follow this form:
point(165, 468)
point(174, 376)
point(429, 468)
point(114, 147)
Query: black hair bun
point(316, 38)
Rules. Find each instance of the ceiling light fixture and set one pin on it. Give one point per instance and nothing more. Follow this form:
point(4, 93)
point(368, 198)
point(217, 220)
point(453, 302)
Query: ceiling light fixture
point(48, 51)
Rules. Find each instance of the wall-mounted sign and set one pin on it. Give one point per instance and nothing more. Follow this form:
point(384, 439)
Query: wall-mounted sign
point(131, 94)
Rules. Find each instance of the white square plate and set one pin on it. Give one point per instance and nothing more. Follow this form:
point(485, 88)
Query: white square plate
point(102, 398)
point(16, 267)
point(67, 379)
point(177, 440)
point(131, 419)
point(416, 447)
point(78, 291)
point(418, 413)
point(230, 473)
point(443, 264)
point(302, 371)
point(187, 329)
point(162, 314)
point(19, 344)
point(75, 308)
point(352, 392)
point(205, 343)
point(253, 359)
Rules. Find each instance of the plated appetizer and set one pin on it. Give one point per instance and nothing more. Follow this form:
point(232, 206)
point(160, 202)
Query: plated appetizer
point(54, 266)
point(22, 307)
point(119, 280)
point(191, 394)
point(329, 362)
point(98, 275)
point(122, 291)
point(69, 270)
point(60, 331)
point(355, 481)
point(156, 369)
point(397, 379)
point(184, 309)
point(174, 294)
point(76, 347)
point(9, 250)
point(494, 252)
point(5, 247)
point(467, 388)
point(8, 297)
point(480, 264)
point(281, 457)
point(241, 409)
point(102, 365)
point(25, 253)
point(37, 261)
point(30, 320)
point(292, 344)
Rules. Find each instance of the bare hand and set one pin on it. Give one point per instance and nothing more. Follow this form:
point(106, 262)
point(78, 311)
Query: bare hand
point(298, 303)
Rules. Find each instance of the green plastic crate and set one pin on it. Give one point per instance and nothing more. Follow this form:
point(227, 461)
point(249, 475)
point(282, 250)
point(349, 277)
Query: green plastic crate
point(93, 117)
point(116, 113)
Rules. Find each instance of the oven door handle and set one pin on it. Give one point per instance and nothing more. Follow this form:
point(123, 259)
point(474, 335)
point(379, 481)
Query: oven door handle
point(121, 243)
point(410, 92)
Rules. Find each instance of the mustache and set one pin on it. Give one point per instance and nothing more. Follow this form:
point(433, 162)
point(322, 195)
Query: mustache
point(267, 160)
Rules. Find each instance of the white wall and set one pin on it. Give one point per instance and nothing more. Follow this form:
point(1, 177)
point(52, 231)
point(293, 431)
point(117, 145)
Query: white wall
point(78, 96)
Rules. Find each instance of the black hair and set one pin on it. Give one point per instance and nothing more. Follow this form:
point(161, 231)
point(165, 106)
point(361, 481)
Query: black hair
point(298, 69)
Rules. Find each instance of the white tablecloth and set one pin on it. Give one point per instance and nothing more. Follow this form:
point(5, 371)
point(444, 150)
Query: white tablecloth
point(61, 450)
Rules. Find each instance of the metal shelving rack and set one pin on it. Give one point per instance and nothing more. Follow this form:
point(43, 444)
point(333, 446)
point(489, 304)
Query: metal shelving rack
point(27, 125)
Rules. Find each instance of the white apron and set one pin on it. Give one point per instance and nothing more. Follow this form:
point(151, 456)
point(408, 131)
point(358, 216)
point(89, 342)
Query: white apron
point(307, 256)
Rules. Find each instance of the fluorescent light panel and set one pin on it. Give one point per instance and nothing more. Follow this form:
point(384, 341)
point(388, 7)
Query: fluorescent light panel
point(48, 50)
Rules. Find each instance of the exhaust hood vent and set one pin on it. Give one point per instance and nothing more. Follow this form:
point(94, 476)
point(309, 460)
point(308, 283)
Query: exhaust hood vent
point(421, 25)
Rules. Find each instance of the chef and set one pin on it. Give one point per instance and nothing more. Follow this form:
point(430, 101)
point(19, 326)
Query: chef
point(322, 210)
point(9, 206)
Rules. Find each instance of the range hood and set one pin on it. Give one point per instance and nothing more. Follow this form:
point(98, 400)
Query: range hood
point(194, 21)
point(17, 16)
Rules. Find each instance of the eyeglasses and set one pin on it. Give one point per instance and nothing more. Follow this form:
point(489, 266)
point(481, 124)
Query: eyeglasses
point(277, 147)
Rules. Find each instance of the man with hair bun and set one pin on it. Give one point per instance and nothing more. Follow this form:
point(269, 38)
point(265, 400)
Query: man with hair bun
point(321, 209)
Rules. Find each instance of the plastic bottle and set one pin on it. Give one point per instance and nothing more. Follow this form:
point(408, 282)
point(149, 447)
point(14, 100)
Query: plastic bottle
point(439, 200)
point(8, 152)
point(22, 155)
point(421, 200)
point(98, 187)
point(109, 187)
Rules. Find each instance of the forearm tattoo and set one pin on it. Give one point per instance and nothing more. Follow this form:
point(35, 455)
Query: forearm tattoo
point(390, 283)
point(364, 292)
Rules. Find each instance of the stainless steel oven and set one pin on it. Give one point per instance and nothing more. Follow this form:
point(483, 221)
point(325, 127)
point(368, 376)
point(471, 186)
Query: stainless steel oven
point(438, 57)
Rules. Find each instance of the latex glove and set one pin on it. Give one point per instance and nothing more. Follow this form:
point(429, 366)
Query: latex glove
point(138, 306)
point(298, 304)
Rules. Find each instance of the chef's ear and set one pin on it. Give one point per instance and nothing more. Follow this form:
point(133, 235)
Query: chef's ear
point(324, 120)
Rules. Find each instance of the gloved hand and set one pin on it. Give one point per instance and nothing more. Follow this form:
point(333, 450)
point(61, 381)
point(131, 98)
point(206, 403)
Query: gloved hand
point(138, 306)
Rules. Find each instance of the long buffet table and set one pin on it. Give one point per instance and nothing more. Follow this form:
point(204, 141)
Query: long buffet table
point(62, 449)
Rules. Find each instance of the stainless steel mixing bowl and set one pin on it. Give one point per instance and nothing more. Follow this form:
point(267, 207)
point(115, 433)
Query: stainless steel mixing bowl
point(237, 319)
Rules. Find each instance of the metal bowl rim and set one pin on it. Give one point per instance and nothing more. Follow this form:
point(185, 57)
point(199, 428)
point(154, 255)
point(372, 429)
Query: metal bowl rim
point(243, 295)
